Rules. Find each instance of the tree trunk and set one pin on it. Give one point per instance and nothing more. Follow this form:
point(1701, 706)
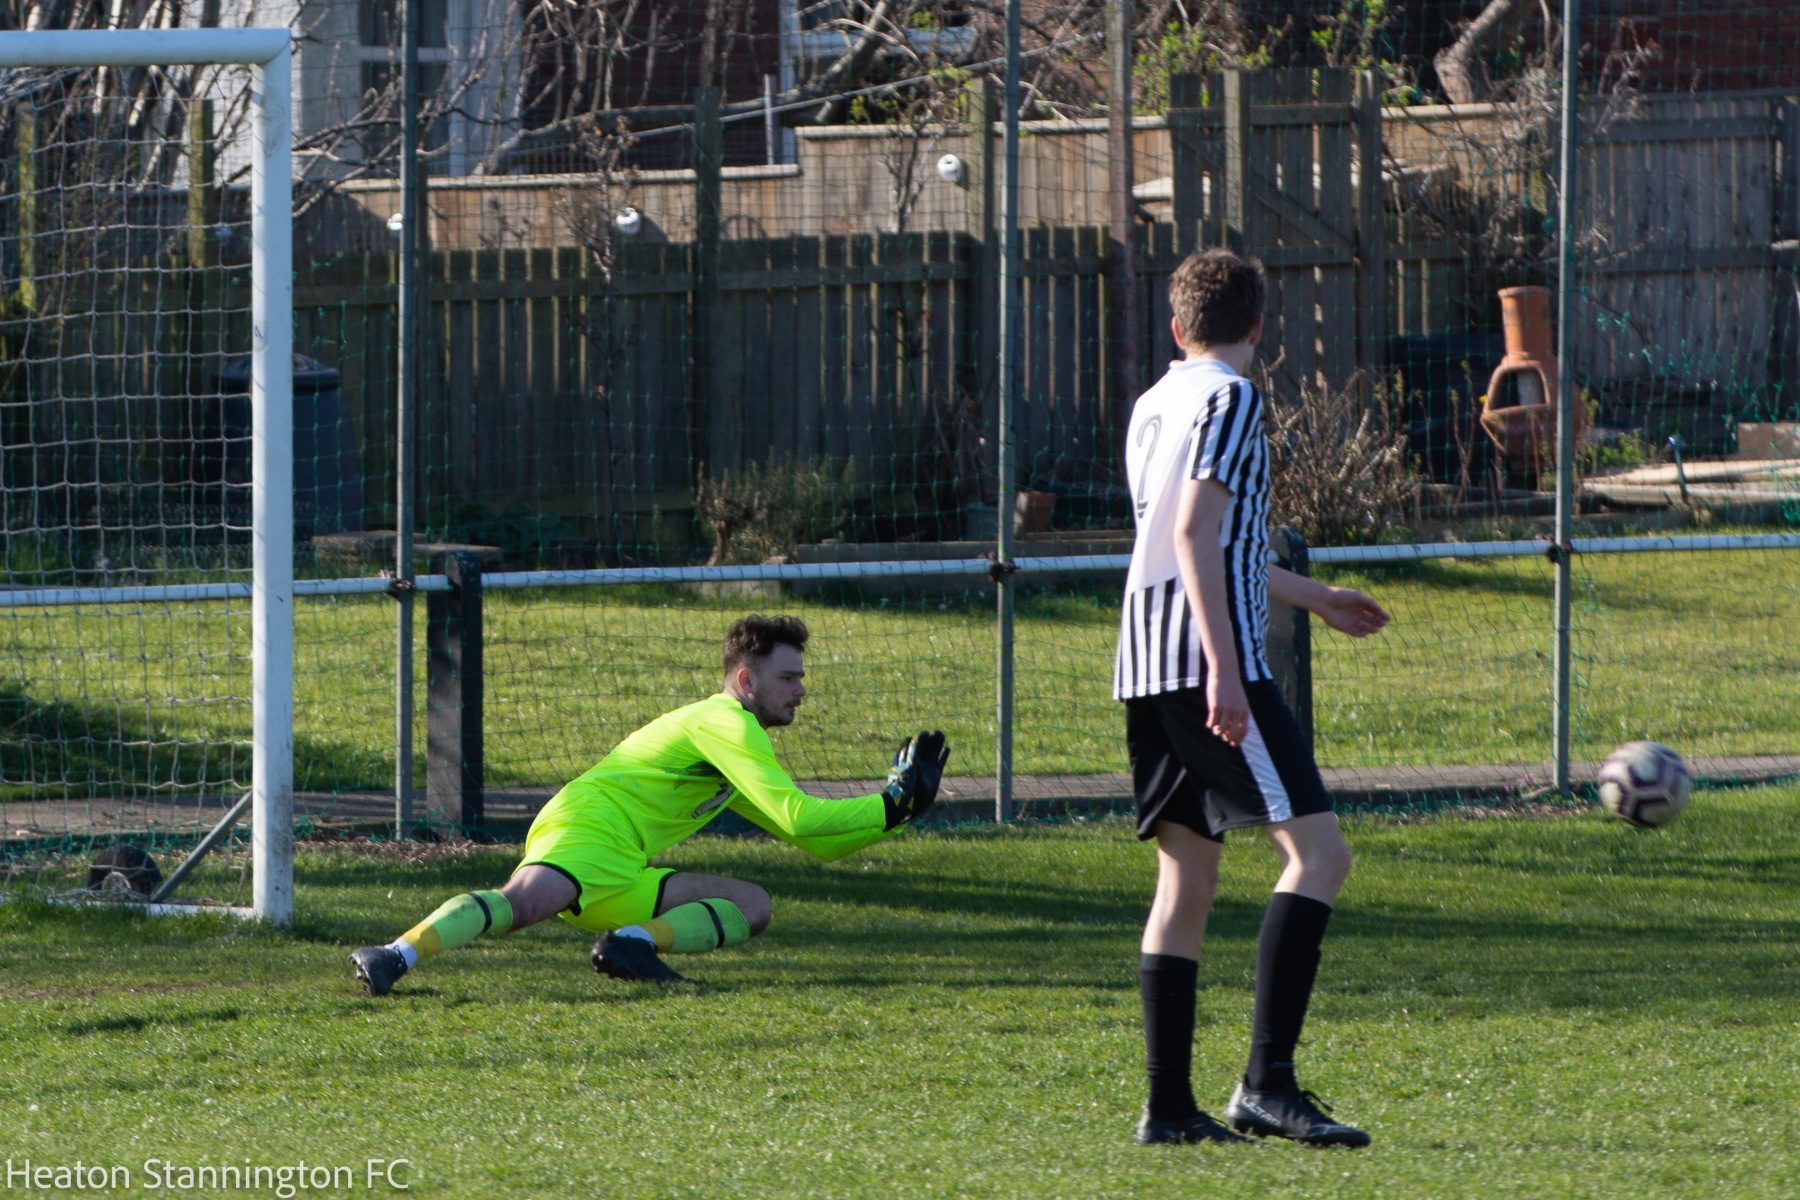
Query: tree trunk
point(711, 69)
point(1459, 65)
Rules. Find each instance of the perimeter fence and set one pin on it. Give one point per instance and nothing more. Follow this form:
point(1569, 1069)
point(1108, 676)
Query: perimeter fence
point(643, 317)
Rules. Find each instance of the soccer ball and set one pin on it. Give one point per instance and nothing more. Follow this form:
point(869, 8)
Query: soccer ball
point(1646, 783)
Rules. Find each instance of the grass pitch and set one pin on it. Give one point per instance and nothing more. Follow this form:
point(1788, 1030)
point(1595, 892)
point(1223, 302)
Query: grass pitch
point(1695, 650)
point(1529, 1007)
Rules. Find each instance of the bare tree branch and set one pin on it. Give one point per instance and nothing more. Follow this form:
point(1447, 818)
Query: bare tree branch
point(1459, 65)
point(844, 74)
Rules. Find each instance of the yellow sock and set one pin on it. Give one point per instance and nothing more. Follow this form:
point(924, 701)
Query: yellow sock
point(459, 921)
point(698, 927)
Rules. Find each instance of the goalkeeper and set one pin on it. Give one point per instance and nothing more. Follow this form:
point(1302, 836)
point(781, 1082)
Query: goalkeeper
point(588, 852)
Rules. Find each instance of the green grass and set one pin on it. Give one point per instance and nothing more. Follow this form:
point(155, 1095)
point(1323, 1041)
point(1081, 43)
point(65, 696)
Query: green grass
point(1696, 650)
point(1558, 1007)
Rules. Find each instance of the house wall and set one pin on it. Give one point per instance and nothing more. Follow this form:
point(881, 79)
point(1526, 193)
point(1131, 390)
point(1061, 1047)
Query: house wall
point(846, 181)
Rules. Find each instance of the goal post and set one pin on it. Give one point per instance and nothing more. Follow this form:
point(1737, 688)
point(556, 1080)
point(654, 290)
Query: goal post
point(268, 55)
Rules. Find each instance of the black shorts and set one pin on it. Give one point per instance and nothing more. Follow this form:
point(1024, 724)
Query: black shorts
point(1182, 772)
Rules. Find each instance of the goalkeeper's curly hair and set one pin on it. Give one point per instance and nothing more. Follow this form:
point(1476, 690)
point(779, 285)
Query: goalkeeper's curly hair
point(755, 637)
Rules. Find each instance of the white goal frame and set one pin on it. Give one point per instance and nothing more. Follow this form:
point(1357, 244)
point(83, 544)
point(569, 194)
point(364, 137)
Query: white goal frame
point(269, 55)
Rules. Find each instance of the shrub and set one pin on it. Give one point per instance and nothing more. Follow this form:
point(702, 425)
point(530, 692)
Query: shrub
point(763, 510)
point(1339, 465)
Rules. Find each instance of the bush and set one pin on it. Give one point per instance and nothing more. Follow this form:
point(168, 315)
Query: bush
point(1339, 465)
point(767, 509)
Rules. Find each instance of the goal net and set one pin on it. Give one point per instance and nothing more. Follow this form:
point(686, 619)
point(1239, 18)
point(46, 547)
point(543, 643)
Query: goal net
point(145, 441)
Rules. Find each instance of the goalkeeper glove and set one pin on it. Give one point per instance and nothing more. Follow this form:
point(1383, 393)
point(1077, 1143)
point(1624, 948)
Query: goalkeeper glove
point(912, 782)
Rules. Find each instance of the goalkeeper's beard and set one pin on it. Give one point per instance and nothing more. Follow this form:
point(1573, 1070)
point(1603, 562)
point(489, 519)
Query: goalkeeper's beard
point(770, 718)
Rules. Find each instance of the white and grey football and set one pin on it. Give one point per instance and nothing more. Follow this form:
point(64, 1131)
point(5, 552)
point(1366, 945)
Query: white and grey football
point(1645, 784)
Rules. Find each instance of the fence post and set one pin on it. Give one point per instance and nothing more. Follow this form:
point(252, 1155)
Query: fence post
point(202, 192)
point(771, 128)
point(406, 391)
point(1186, 176)
point(202, 334)
point(1009, 381)
point(25, 190)
point(709, 157)
point(454, 764)
point(1565, 403)
point(1784, 363)
point(984, 110)
point(1123, 298)
point(1371, 226)
point(1290, 636)
point(1234, 231)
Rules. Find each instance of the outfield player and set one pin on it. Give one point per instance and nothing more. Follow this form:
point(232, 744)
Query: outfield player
point(1212, 745)
point(587, 855)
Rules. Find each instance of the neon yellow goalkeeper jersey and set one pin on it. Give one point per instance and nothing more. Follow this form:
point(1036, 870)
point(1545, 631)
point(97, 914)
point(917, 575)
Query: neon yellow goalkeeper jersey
point(667, 780)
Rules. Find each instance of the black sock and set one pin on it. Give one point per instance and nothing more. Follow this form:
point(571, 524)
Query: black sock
point(1287, 960)
point(1167, 984)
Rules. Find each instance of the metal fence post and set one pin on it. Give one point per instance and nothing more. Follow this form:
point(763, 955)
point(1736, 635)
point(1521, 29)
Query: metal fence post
point(1009, 382)
point(1566, 399)
point(412, 212)
point(1122, 298)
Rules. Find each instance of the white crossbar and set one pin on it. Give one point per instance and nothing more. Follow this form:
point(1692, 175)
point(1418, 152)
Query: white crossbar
point(140, 47)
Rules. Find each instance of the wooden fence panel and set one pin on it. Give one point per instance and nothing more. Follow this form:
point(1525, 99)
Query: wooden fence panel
point(834, 359)
point(1094, 417)
point(1037, 315)
point(858, 350)
point(781, 370)
point(1680, 203)
point(809, 396)
point(1338, 349)
point(1293, 284)
point(886, 323)
point(1162, 253)
point(1061, 396)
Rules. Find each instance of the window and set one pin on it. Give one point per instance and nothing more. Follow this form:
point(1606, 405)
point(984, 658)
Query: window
point(380, 21)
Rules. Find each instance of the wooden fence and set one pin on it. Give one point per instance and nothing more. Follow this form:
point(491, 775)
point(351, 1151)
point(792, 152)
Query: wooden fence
point(1689, 211)
point(586, 391)
point(590, 393)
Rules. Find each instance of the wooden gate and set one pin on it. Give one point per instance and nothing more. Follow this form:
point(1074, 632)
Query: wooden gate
point(1262, 164)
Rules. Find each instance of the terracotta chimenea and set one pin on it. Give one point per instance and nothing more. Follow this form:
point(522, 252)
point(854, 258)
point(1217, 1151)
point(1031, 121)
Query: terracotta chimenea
point(1522, 419)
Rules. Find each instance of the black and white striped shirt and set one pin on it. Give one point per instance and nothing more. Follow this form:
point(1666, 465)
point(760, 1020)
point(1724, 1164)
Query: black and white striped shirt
point(1200, 421)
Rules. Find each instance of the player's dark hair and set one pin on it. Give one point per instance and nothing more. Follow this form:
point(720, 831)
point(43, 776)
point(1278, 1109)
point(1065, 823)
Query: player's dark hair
point(755, 637)
point(1217, 297)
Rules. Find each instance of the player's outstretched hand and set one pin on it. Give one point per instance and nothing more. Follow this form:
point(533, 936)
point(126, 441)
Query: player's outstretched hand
point(1349, 611)
point(913, 780)
point(930, 753)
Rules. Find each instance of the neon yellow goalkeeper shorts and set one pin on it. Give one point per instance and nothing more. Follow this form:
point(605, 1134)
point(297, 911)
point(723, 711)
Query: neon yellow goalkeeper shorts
point(617, 889)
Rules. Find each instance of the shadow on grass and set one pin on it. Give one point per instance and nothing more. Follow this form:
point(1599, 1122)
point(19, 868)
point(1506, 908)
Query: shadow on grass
point(905, 925)
point(56, 749)
point(137, 1024)
point(1599, 855)
point(976, 910)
